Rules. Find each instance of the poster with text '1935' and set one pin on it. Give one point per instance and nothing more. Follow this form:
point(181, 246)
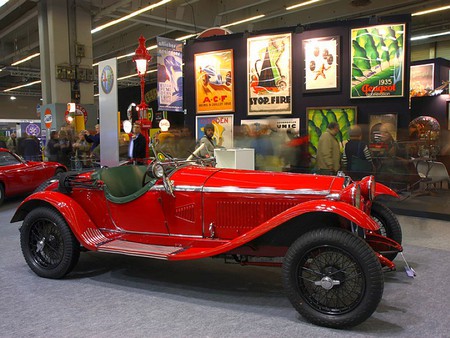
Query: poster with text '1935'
point(378, 61)
point(269, 74)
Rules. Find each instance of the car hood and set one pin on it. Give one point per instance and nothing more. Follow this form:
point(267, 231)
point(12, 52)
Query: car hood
point(248, 181)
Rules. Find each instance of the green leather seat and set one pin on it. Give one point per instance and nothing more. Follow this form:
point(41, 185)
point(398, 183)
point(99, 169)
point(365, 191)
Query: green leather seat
point(124, 183)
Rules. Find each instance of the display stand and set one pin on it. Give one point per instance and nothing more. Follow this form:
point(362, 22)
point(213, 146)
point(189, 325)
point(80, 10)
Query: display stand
point(236, 158)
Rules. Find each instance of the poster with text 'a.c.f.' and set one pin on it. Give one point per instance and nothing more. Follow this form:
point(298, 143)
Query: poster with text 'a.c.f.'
point(214, 81)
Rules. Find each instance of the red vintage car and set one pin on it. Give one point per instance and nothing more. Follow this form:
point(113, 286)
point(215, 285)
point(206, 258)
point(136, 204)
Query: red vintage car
point(18, 176)
point(330, 236)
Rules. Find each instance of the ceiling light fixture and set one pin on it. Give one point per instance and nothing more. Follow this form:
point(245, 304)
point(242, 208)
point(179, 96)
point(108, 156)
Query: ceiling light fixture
point(242, 21)
point(13, 98)
point(181, 38)
point(423, 37)
point(306, 3)
point(129, 16)
point(443, 8)
point(25, 85)
point(25, 59)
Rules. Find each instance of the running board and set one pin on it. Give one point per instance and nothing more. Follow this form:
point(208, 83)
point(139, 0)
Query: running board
point(139, 249)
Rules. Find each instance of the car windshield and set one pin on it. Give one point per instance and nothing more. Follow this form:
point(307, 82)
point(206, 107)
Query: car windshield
point(8, 159)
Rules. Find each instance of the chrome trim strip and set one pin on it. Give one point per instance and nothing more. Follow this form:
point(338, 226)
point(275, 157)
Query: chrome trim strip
point(267, 190)
point(232, 189)
point(150, 233)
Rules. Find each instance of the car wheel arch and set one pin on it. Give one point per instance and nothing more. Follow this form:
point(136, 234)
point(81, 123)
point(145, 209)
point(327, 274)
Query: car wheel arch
point(77, 219)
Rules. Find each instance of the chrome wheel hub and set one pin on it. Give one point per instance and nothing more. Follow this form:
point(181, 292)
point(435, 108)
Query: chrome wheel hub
point(327, 283)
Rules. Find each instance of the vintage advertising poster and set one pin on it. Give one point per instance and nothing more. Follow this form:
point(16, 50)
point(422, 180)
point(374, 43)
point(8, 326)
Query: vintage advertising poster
point(321, 63)
point(378, 61)
point(320, 117)
point(170, 74)
point(376, 121)
point(223, 129)
point(283, 125)
point(269, 74)
point(421, 81)
point(214, 81)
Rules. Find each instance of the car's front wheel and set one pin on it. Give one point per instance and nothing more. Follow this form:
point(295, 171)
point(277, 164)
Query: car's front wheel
point(48, 245)
point(333, 278)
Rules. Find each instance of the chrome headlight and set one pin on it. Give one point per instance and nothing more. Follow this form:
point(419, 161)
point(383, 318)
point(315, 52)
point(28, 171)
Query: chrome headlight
point(356, 195)
point(158, 170)
point(368, 187)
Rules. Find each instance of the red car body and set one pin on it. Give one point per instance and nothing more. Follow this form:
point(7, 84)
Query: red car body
point(18, 176)
point(192, 212)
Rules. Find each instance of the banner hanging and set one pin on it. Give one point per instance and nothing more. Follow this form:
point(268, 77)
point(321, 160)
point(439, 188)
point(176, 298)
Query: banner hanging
point(170, 74)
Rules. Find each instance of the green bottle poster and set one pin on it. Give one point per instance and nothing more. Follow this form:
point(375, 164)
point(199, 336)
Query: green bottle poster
point(378, 61)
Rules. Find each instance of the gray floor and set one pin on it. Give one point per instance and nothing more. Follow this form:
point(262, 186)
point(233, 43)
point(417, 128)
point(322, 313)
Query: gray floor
point(117, 296)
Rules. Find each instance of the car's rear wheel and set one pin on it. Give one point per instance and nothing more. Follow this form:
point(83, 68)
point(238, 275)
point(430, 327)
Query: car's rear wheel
point(333, 278)
point(2, 193)
point(389, 225)
point(48, 245)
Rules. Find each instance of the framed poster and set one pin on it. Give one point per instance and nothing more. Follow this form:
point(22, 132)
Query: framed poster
point(214, 82)
point(284, 125)
point(320, 117)
point(389, 121)
point(321, 64)
point(269, 74)
point(223, 129)
point(421, 81)
point(377, 61)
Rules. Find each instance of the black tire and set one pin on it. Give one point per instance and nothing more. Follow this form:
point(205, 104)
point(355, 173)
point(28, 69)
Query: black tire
point(333, 278)
point(44, 185)
point(2, 193)
point(48, 245)
point(389, 225)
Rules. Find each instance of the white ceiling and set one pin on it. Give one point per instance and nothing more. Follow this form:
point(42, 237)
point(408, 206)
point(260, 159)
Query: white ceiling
point(19, 35)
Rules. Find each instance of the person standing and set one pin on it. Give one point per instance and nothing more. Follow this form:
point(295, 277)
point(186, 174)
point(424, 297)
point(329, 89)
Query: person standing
point(357, 159)
point(11, 144)
point(81, 149)
point(137, 151)
point(31, 148)
point(94, 140)
point(52, 147)
point(328, 151)
point(207, 139)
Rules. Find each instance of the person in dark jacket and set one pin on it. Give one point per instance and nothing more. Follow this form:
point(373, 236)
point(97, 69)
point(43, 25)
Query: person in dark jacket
point(94, 140)
point(137, 151)
point(357, 159)
point(31, 151)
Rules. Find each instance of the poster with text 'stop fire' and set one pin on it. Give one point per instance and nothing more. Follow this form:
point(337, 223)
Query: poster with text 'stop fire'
point(378, 61)
point(269, 74)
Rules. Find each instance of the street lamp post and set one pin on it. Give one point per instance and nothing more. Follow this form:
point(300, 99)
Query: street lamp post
point(142, 57)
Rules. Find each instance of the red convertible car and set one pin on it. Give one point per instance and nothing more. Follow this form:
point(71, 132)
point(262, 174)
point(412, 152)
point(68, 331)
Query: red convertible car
point(331, 237)
point(18, 176)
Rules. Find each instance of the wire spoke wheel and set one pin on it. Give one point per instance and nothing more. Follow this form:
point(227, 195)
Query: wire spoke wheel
point(48, 245)
point(333, 278)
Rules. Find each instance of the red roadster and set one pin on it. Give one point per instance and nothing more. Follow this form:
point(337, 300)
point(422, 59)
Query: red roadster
point(18, 176)
point(329, 235)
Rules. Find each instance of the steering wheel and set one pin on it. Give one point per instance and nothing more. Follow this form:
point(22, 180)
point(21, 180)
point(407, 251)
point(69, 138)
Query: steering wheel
point(149, 174)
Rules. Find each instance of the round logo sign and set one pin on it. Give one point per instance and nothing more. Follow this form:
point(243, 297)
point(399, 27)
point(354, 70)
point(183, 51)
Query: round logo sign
point(48, 119)
point(33, 129)
point(107, 79)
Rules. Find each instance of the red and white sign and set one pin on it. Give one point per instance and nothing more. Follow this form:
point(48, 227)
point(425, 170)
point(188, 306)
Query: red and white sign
point(48, 118)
